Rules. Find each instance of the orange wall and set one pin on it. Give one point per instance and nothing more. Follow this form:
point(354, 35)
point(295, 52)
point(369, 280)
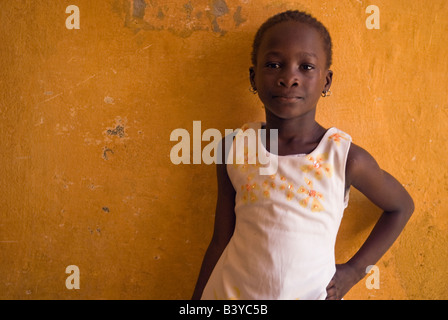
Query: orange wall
point(86, 117)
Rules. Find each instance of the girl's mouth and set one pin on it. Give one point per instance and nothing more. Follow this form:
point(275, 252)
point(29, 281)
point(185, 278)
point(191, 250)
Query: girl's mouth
point(287, 99)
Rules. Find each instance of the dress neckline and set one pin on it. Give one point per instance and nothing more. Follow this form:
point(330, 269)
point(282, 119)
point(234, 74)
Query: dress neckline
point(260, 126)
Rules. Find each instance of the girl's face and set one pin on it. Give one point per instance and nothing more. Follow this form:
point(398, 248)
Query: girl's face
point(291, 71)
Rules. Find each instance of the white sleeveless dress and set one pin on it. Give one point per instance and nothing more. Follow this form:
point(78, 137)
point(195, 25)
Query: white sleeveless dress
point(286, 224)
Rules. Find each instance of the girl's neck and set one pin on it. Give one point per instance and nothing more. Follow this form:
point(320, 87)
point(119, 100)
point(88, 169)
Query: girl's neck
point(301, 129)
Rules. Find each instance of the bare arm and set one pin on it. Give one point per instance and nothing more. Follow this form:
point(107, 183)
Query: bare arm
point(387, 193)
point(223, 229)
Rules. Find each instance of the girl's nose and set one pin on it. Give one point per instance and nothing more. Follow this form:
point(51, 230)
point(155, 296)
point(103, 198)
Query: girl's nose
point(288, 79)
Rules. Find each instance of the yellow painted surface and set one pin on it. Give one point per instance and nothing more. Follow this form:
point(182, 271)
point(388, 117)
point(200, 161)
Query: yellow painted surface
point(86, 116)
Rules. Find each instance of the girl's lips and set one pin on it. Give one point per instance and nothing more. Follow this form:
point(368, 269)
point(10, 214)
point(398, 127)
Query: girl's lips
point(287, 98)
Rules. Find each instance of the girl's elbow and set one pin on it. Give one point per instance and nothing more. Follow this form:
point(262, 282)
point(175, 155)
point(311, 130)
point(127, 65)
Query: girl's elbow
point(403, 208)
point(411, 206)
point(408, 206)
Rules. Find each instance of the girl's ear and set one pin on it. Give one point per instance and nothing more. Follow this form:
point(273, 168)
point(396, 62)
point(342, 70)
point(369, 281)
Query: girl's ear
point(252, 78)
point(328, 80)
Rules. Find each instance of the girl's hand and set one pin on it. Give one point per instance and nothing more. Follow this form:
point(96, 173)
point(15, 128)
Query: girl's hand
point(343, 280)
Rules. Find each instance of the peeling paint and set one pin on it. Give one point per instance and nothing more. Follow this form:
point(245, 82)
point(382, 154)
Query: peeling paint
point(215, 25)
point(139, 9)
point(105, 151)
point(219, 8)
point(118, 131)
point(183, 20)
point(188, 9)
point(98, 230)
point(237, 17)
point(109, 100)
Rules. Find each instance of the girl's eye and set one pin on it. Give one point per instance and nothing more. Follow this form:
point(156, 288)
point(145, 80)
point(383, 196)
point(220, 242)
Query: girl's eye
point(273, 65)
point(307, 67)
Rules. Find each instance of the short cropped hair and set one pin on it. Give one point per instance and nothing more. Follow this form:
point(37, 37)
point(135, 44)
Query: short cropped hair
point(297, 16)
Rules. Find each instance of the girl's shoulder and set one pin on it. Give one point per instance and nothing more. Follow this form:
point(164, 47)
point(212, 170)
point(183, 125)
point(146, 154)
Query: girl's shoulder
point(359, 161)
point(358, 156)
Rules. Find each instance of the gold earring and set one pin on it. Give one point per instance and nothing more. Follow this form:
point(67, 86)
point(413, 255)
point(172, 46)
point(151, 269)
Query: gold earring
point(325, 94)
point(253, 90)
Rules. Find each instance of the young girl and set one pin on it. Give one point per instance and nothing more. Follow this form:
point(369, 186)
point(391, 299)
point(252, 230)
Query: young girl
point(274, 235)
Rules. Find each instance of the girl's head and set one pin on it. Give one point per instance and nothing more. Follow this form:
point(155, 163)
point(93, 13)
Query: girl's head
point(291, 56)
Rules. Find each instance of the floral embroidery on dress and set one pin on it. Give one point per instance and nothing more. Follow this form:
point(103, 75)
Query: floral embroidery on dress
point(318, 166)
point(266, 186)
point(248, 190)
point(336, 137)
point(254, 190)
point(290, 192)
point(310, 193)
point(251, 191)
point(248, 159)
